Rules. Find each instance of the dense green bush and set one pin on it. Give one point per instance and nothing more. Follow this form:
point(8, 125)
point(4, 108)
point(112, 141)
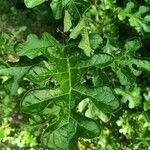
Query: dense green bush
point(85, 88)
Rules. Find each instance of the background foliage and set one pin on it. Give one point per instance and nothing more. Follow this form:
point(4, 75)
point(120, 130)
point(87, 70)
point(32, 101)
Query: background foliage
point(91, 80)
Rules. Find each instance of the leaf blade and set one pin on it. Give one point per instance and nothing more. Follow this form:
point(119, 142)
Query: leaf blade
point(33, 3)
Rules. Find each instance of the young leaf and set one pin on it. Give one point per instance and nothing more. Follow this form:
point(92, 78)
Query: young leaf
point(132, 46)
point(133, 96)
point(77, 30)
point(135, 19)
point(95, 41)
point(85, 43)
point(94, 113)
point(125, 76)
point(139, 63)
point(67, 21)
point(146, 105)
point(57, 8)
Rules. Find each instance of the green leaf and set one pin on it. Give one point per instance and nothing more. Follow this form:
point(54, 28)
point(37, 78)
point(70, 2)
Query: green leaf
point(94, 112)
point(57, 8)
point(125, 76)
point(77, 30)
point(107, 4)
point(40, 99)
point(33, 3)
point(60, 138)
point(85, 43)
point(102, 97)
point(132, 46)
point(133, 96)
point(135, 19)
point(101, 60)
point(147, 100)
point(87, 128)
point(95, 41)
point(67, 21)
point(129, 7)
point(74, 7)
point(139, 63)
point(100, 78)
point(123, 13)
point(16, 74)
point(146, 105)
point(40, 74)
point(88, 108)
point(67, 92)
point(34, 46)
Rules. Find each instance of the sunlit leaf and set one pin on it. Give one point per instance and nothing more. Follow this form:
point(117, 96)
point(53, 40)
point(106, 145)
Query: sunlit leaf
point(33, 3)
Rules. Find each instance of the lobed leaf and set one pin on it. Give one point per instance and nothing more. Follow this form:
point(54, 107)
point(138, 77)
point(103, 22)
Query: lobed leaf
point(135, 19)
point(34, 46)
point(67, 92)
point(16, 74)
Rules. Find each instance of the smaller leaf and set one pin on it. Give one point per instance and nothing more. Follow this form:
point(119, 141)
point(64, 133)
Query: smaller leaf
point(145, 64)
point(132, 46)
point(135, 19)
point(142, 10)
point(94, 113)
point(146, 105)
point(95, 41)
point(147, 100)
point(129, 7)
point(33, 3)
point(100, 78)
point(147, 18)
point(125, 76)
point(133, 96)
point(16, 73)
point(139, 63)
point(57, 8)
point(85, 43)
point(77, 30)
point(67, 21)
point(82, 105)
